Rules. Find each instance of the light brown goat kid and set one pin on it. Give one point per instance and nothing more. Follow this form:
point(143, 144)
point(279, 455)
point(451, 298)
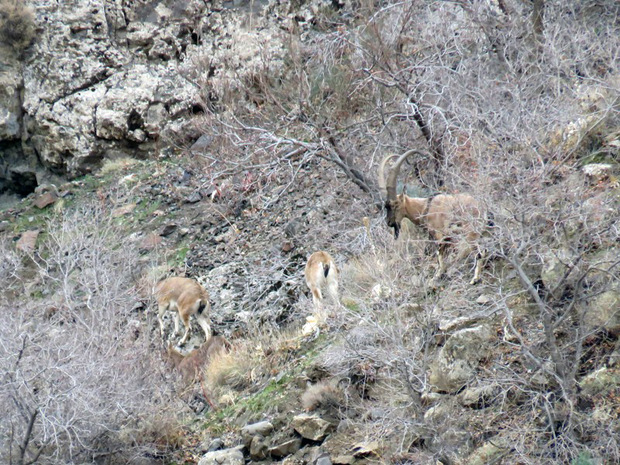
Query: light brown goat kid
point(185, 297)
point(192, 365)
point(321, 272)
point(451, 220)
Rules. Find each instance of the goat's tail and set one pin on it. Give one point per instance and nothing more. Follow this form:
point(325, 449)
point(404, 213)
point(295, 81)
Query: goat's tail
point(326, 267)
point(202, 306)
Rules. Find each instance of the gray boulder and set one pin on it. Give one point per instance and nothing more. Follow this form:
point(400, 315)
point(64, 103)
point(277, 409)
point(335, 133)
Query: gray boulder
point(457, 360)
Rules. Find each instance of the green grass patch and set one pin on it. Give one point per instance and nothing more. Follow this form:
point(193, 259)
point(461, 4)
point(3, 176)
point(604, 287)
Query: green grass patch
point(279, 394)
point(252, 407)
point(181, 255)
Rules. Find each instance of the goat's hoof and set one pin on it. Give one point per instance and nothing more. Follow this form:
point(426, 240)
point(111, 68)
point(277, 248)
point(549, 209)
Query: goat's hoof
point(475, 281)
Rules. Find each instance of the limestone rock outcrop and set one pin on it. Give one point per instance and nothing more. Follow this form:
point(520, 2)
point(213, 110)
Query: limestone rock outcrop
point(100, 80)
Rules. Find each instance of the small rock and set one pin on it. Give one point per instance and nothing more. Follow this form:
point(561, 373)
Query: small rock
point(4, 225)
point(487, 453)
point(602, 381)
point(223, 457)
point(214, 445)
point(484, 299)
point(343, 459)
point(311, 426)
point(194, 197)
point(258, 448)
point(183, 232)
point(365, 449)
point(203, 143)
point(124, 210)
point(598, 170)
point(323, 459)
point(477, 396)
point(45, 199)
point(287, 247)
point(28, 241)
point(456, 363)
point(168, 229)
point(286, 448)
point(262, 428)
point(429, 398)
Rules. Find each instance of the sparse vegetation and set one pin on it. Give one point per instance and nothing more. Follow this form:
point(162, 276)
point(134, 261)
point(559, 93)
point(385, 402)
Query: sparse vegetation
point(78, 367)
point(502, 101)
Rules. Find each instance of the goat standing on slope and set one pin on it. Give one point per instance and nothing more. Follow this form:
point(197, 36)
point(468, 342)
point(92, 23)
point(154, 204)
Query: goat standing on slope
point(321, 272)
point(191, 367)
point(451, 220)
point(188, 298)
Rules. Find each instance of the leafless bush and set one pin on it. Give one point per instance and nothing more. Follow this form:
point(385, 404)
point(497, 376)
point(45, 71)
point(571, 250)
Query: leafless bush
point(508, 99)
point(10, 263)
point(81, 375)
point(322, 395)
point(17, 25)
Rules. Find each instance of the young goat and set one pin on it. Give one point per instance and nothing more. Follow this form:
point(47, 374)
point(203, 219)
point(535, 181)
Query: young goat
point(320, 272)
point(188, 298)
point(451, 220)
point(191, 366)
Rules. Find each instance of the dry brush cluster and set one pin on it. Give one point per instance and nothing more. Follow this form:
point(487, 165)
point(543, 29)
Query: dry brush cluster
point(510, 101)
point(80, 377)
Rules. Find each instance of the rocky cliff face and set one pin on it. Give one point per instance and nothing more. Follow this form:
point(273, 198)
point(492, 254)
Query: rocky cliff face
point(99, 81)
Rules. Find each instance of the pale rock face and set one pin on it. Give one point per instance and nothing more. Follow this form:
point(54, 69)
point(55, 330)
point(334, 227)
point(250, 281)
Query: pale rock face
point(100, 78)
point(10, 108)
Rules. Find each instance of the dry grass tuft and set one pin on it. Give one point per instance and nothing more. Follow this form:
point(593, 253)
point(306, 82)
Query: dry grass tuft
point(249, 362)
point(322, 395)
point(118, 164)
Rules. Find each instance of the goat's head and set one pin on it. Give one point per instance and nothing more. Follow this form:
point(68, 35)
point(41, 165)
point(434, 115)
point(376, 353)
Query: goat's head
point(393, 203)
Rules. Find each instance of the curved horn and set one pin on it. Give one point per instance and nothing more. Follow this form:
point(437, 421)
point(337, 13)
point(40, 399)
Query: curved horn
point(391, 180)
point(381, 175)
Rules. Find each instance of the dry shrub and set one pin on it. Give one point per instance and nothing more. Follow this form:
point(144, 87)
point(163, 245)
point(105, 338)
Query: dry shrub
point(118, 164)
point(10, 262)
point(238, 368)
point(161, 430)
point(85, 373)
point(249, 362)
point(323, 395)
point(239, 67)
point(17, 25)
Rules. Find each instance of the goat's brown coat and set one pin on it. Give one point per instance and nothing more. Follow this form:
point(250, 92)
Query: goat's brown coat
point(321, 272)
point(455, 219)
point(191, 366)
point(188, 298)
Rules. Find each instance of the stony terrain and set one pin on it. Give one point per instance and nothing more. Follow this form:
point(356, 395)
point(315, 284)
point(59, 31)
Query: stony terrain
point(226, 141)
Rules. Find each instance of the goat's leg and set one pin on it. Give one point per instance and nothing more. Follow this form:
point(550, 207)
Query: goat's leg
point(317, 297)
point(481, 258)
point(332, 290)
point(441, 261)
point(188, 328)
point(160, 314)
point(176, 322)
point(203, 321)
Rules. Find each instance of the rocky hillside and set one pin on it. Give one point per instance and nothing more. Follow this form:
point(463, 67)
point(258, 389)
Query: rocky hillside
point(226, 141)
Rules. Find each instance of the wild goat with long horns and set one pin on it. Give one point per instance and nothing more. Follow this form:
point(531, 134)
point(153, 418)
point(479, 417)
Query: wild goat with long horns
point(451, 220)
